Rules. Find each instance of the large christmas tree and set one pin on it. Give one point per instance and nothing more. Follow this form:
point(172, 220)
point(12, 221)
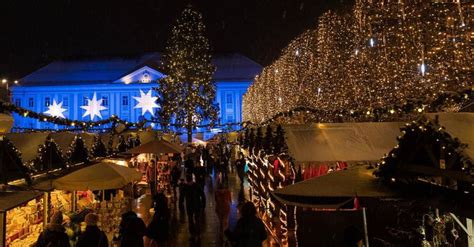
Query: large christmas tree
point(187, 92)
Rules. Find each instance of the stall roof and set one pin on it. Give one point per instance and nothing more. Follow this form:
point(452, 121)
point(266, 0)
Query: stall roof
point(459, 125)
point(341, 141)
point(65, 139)
point(340, 186)
point(27, 143)
point(9, 200)
point(99, 176)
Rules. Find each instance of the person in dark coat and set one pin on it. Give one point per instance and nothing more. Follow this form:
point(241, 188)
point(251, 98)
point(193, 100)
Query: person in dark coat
point(175, 174)
point(55, 234)
point(250, 230)
point(132, 230)
point(240, 167)
point(92, 236)
point(195, 205)
point(157, 231)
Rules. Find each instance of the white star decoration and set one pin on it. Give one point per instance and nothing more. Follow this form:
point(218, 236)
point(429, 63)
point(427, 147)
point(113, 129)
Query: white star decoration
point(147, 102)
point(93, 107)
point(55, 110)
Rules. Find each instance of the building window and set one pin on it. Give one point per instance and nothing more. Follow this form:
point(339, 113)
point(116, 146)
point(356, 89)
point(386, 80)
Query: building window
point(47, 101)
point(229, 98)
point(105, 101)
point(65, 101)
point(18, 102)
point(31, 102)
point(230, 118)
point(145, 78)
point(125, 100)
point(84, 101)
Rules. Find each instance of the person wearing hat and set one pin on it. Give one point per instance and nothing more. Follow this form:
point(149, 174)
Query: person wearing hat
point(54, 234)
point(92, 236)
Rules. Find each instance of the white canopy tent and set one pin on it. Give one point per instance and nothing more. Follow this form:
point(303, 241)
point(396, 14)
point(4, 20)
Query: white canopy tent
point(348, 142)
point(99, 176)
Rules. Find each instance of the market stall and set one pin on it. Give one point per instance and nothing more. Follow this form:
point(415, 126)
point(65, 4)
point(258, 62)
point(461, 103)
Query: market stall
point(21, 218)
point(162, 152)
point(339, 191)
point(101, 177)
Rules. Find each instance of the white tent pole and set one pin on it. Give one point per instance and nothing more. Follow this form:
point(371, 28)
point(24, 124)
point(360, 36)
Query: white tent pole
point(366, 234)
point(470, 232)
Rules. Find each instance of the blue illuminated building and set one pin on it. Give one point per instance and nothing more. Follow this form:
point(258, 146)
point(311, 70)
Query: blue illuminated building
point(117, 81)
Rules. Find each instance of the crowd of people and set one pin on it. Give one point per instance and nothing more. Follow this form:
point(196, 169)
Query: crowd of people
point(188, 179)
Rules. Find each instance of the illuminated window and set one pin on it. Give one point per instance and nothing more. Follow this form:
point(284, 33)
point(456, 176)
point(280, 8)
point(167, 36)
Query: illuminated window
point(124, 100)
point(146, 77)
point(230, 118)
point(31, 102)
point(105, 101)
point(229, 98)
point(47, 101)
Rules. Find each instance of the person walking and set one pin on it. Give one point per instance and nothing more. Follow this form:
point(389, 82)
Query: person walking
point(240, 167)
point(250, 230)
point(92, 236)
point(175, 175)
point(223, 200)
point(157, 232)
point(55, 234)
point(151, 176)
point(132, 230)
point(195, 204)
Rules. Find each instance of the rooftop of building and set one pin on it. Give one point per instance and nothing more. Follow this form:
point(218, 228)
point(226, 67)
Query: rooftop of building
point(229, 67)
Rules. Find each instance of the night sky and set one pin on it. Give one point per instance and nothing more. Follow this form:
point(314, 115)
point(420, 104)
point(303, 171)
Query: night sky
point(36, 32)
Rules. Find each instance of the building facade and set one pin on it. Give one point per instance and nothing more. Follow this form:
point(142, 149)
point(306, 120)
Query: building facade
point(97, 89)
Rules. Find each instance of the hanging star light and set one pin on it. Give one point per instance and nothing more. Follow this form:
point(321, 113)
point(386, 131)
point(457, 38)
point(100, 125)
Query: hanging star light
point(147, 102)
point(56, 110)
point(93, 107)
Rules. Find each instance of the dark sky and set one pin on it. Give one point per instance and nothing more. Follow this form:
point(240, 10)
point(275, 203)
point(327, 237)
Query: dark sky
point(35, 32)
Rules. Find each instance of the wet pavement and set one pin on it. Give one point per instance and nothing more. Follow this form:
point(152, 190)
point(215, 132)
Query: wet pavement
point(210, 232)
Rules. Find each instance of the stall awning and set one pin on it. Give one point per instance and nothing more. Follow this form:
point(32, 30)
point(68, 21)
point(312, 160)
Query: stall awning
point(27, 143)
point(459, 125)
point(99, 176)
point(65, 139)
point(9, 200)
point(157, 146)
point(334, 189)
point(341, 141)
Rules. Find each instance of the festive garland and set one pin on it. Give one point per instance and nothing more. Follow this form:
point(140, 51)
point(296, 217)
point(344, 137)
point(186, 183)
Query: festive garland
point(376, 114)
point(49, 157)
point(449, 151)
point(78, 152)
point(98, 148)
point(84, 125)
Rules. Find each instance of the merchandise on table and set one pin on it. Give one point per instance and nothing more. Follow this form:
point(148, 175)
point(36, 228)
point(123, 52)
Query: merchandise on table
point(61, 200)
point(24, 224)
point(110, 213)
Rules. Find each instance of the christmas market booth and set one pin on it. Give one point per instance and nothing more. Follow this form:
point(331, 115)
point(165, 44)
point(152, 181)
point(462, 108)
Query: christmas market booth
point(298, 152)
point(21, 218)
point(104, 188)
point(336, 201)
point(433, 164)
point(161, 151)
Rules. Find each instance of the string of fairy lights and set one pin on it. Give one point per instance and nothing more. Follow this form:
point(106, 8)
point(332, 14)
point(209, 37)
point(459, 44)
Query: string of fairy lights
point(379, 55)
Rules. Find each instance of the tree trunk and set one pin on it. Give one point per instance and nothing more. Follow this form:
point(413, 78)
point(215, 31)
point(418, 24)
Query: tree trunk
point(190, 132)
point(189, 127)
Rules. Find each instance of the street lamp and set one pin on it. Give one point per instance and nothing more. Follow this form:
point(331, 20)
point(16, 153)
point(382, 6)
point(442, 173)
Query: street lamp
point(5, 81)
